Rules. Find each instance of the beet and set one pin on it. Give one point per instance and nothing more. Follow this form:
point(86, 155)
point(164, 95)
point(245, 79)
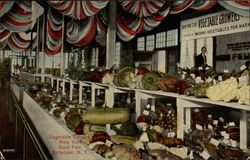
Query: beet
point(107, 71)
point(100, 136)
point(143, 118)
point(79, 128)
point(181, 86)
point(142, 71)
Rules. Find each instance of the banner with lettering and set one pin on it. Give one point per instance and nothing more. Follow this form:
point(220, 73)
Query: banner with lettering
point(219, 23)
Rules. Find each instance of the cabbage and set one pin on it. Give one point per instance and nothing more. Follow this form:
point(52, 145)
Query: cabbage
point(124, 76)
point(149, 80)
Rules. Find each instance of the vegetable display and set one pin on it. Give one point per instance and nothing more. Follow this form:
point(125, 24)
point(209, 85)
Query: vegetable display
point(113, 133)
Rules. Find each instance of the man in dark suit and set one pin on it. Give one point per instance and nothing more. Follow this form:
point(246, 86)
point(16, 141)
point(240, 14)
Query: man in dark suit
point(201, 59)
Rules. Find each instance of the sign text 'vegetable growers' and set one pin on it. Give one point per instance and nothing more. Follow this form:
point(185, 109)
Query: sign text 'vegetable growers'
point(219, 23)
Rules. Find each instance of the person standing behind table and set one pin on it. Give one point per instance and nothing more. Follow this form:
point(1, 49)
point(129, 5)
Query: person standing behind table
point(201, 59)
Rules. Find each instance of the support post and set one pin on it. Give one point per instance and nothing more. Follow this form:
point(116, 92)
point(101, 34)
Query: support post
point(80, 92)
point(37, 47)
point(188, 117)
point(180, 118)
point(243, 129)
point(71, 90)
point(62, 51)
point(93, 95)
point(111, 35)
point(43, 58)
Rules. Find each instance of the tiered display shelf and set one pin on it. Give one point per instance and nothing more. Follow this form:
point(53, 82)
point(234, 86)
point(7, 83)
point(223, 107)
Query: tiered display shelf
point(184, 103)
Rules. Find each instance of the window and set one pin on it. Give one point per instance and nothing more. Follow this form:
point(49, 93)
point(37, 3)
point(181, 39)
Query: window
point(150, 43)
point(161, 40)
point(117, 53)
point(172, 59)
point(172, 38)
point(141, 43)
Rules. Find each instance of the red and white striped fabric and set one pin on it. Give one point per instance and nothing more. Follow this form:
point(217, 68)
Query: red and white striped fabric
point(5, 6)
point(128, 27)
point(81, 32)
point(155, 20)
point(142, 8)
point(102, 21)
point(80, 9)
point(4, 35)
point(3, 44)
point(54, 33)
point(19, 42)
point(180, 6)
point(202, 5)
point(243, 2)
point(241, 7)
point(18, 19)
point(102, 27)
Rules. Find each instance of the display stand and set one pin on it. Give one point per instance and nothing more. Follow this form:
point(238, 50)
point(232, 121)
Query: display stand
point(72, 83)
point(49, 128)
point(81, 85)
point(184, 104)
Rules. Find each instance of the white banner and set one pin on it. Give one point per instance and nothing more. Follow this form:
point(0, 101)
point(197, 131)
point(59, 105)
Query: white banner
point(219, 23)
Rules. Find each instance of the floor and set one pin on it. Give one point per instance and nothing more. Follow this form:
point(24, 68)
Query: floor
point(6, 128)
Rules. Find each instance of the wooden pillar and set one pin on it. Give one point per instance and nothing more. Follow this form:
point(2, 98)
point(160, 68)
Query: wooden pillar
point(111, 35)
point(1, 55)
point(30, 54)
point(37, 47)
point(62, 51)
point(43, 42)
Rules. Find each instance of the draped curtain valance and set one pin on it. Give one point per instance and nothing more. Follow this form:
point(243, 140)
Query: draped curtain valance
point(79, 9)
point(88, 18)
point(54, 36)
point(17, 41)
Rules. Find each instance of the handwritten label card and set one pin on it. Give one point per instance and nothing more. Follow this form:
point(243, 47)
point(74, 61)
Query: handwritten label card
point(214, 142)
point(243, 67)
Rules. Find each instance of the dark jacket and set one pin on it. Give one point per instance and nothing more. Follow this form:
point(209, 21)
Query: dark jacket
point(199, 61)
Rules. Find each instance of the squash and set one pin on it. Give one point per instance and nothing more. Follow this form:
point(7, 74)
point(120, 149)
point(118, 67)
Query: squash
point(103, 116)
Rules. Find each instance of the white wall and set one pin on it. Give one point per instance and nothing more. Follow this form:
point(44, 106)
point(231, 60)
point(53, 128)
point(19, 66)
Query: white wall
point(222, 48)
point(161, 61)
point(208, 43)
point(187, 53)
point(191, 48)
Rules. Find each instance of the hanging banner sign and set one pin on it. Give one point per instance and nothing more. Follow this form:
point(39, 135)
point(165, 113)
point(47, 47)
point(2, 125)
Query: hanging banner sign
point(219, 23)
